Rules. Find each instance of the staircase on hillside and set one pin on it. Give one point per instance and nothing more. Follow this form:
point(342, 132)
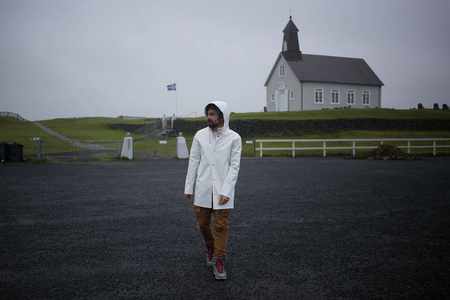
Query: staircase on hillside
point(157, 128)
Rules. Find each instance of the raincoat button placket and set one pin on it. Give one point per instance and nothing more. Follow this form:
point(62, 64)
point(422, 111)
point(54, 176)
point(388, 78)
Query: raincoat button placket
point(212, 177)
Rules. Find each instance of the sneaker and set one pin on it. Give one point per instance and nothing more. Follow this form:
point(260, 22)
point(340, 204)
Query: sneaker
point(210, 256)
point(219, 268)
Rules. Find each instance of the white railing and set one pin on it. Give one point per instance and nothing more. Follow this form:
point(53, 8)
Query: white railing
point(353, 147)
point(12, 115)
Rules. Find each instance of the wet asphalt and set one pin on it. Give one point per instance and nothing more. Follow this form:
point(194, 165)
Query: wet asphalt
point(302, 228)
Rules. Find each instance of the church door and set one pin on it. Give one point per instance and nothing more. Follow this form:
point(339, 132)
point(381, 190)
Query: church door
point(282, 100)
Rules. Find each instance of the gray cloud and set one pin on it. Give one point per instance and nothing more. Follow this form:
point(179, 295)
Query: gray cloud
point(110, 58)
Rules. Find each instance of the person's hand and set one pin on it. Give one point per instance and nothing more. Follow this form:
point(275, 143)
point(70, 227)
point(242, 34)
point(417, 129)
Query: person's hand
point(223, 199)
point(188, 197)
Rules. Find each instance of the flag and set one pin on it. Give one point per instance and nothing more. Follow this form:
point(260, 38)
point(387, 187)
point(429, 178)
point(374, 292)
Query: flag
point(172, 87)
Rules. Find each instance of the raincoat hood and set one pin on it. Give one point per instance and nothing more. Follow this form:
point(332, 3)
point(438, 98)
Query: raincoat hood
point(226, 113)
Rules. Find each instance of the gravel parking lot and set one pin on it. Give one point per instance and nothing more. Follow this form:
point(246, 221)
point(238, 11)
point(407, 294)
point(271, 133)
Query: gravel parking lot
point(302, 228)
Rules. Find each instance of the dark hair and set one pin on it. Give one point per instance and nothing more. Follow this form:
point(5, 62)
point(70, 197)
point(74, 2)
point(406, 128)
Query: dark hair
point(215, 108)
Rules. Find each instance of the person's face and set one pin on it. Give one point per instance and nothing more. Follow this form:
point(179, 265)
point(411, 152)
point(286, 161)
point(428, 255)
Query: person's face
point(213, 119)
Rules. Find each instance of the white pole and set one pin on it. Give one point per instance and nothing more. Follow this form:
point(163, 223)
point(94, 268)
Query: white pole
point(176, 101)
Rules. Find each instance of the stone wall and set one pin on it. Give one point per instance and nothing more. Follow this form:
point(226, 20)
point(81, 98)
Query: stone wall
point(126, 127)
point(262, 127)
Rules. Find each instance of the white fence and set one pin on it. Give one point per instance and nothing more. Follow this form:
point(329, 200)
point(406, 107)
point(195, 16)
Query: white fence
point(143, 148)
point(432, 144)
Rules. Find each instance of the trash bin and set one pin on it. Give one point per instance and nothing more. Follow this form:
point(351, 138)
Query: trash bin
point(4, 152)
point(15, 152)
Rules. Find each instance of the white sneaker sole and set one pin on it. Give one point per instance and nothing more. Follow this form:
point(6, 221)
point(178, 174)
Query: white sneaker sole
point(220, 278)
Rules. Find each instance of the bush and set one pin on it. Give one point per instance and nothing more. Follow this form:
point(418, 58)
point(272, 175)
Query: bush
point(445, 107)
point(435, 106)
point(420, 106)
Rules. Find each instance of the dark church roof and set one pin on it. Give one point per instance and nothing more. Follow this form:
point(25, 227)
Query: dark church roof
point(331, 69)
point(290, 26)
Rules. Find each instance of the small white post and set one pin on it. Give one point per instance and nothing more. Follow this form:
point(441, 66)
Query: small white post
point(127, 147)
point(182, 150)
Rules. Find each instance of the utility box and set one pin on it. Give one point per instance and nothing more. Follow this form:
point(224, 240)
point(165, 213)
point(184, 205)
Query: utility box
point(15, 152)
point(4, 151)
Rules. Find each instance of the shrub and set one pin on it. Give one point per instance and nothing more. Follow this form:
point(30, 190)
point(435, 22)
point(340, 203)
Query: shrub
point(420, 106)
point(435, 106)
point(444, 106)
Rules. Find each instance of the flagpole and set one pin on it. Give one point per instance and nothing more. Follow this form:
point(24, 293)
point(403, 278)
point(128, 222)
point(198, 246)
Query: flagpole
point(176, 100)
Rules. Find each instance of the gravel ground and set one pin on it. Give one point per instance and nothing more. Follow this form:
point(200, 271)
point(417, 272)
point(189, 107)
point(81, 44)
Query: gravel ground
point(302, 228)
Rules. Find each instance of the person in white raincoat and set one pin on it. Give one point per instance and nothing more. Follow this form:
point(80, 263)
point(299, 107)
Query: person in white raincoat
point(212, 173)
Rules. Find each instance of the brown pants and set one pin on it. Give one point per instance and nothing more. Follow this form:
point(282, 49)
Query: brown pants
point(219, 240)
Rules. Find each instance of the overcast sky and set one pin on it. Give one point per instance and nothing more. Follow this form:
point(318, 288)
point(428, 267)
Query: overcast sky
point(64, 58)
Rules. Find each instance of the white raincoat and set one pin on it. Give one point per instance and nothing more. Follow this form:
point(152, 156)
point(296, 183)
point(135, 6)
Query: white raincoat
point(214, 164)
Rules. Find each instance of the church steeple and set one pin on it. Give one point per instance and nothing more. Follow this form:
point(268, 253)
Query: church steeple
point(291, 48)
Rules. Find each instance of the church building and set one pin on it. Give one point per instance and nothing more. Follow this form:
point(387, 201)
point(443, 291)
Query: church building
point(300, 81)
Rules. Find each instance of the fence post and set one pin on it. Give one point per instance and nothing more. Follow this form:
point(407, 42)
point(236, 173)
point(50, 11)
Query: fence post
point(260, 149)
point(293, 149)
point(37, 144)
point(324, 148)
point(434, 147)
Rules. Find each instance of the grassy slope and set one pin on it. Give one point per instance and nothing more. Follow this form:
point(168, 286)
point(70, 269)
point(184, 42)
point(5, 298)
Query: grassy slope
point(347, 114)
point(343, 114)
point(13, 130)
point(90, 128)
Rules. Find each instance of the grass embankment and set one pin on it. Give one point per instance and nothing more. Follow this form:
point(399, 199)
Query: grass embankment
point(327, 114)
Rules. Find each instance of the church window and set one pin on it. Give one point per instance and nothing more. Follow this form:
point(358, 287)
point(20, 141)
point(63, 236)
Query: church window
point(366, 98)
point(282, 71)
point(318, 96)
point(350, 97)
point(291, 95)
point(334, 96)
